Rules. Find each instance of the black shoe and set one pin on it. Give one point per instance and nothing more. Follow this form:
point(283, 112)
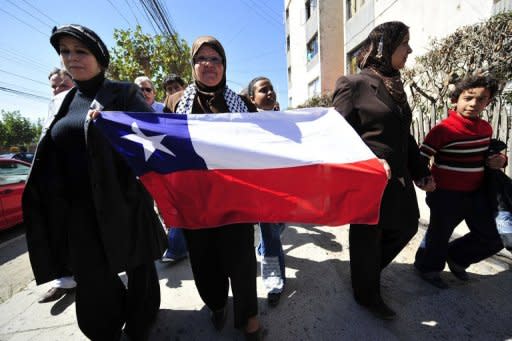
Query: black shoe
point(457, 270)
point(379, 309)
point(273, 299)
point(54, 294)
point(219, 317)
point(433, 278)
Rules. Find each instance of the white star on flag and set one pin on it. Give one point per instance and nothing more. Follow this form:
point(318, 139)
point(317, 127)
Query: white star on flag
point(149, 143)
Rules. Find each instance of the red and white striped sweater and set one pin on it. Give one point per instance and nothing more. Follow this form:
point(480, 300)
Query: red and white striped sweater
point(458, 145)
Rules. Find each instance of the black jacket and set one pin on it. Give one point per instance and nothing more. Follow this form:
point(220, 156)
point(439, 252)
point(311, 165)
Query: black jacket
point(385, 128)
point(129, 228)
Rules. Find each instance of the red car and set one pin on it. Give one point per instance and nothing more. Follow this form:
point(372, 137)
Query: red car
point(13, 175)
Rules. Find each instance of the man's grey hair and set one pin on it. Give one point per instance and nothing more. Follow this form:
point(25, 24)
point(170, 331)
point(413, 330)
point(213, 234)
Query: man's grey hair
point(141, 79)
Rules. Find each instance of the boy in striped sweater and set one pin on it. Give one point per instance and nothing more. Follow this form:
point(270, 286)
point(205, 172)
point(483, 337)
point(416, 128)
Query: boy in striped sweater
point(458, 146)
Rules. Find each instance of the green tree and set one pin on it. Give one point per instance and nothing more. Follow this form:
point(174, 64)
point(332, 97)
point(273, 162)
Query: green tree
point(137, 54)
point(324, 100)
point(16, 130)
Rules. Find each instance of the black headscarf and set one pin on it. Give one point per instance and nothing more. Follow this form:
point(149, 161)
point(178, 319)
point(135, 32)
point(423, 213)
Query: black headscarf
point(375, 54)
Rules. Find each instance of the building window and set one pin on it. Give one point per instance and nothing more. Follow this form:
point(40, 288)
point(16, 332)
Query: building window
point(352, 67)
point(288, 43)
point(312, 47)
point(314, 88)
point(310, 7)
point(287, 14)
point(353, 6)
point(289, 75)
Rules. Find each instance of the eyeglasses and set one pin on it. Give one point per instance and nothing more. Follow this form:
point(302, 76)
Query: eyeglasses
point(146, 89)
point(203, 60)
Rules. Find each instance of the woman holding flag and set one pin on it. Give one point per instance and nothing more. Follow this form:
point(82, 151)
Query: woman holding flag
point(84, 209)
point(222, 254)
point(375, 104)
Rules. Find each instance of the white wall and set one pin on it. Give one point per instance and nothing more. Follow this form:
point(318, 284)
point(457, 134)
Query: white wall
point(427, 19)
point(298, 88)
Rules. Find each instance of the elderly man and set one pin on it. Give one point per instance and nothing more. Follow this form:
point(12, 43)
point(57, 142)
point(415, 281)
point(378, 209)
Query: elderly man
point(60, 80)
point(148, 90)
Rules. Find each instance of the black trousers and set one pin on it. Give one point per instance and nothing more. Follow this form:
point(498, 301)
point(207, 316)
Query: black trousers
point(447, 210)
point(220, 255)
point(103, 303)
point(373, 247)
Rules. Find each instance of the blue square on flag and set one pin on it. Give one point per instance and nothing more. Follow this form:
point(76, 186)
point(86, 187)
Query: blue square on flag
point(152, 141)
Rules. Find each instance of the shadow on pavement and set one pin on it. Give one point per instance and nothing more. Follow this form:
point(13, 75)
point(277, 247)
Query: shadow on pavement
point(61, 305)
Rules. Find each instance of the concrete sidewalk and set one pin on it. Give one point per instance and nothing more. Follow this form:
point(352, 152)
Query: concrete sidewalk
point(317, 304)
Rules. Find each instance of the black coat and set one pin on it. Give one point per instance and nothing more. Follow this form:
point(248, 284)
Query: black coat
point(385, 128)
point(129, 228)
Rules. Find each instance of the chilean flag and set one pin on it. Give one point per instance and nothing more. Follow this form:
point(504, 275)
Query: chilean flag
point(207, 170)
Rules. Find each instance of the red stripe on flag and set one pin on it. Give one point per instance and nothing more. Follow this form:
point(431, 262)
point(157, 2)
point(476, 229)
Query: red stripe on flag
point(324, 194)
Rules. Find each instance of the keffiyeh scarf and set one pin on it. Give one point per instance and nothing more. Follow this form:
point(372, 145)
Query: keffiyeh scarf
point(233, 101)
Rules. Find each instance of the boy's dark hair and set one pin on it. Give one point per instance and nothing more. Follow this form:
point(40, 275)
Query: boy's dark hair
point(173, 78)
point(476, 81)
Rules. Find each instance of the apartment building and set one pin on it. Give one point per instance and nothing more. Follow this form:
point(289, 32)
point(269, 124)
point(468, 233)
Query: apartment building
point(314, 47)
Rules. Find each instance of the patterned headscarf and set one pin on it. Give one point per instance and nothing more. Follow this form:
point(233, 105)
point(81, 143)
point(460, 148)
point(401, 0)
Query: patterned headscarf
point(218, 98)
point(375, 54)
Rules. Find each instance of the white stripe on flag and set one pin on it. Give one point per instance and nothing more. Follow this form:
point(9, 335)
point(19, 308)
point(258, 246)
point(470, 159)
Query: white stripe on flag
point(271, 139)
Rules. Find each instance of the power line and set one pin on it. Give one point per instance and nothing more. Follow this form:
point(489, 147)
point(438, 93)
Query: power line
point(148, 19)
point(257, 11)
point(11, 15)
point(23, 93)
point(23, 77)
point(119, 12)
point(21, 56)
point(27, 12)
point(41, 12)
point(161, 18)
point(15, 60)
point(266, 11)
point(131, 10)
point(21, 88)
point(280, 15)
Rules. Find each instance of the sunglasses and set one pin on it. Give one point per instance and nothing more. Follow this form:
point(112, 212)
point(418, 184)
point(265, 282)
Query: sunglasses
point(146, 89)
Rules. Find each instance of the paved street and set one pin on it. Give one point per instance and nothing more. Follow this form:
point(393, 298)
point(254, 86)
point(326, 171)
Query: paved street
point(317, 304)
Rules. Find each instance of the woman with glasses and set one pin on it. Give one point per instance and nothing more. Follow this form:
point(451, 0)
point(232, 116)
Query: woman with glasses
point(223, 254)
point(83, 207)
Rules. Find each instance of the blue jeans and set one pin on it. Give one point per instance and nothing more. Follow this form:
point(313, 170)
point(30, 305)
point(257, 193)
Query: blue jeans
point(504, 225)
point(177, 246)
point(272, 263)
